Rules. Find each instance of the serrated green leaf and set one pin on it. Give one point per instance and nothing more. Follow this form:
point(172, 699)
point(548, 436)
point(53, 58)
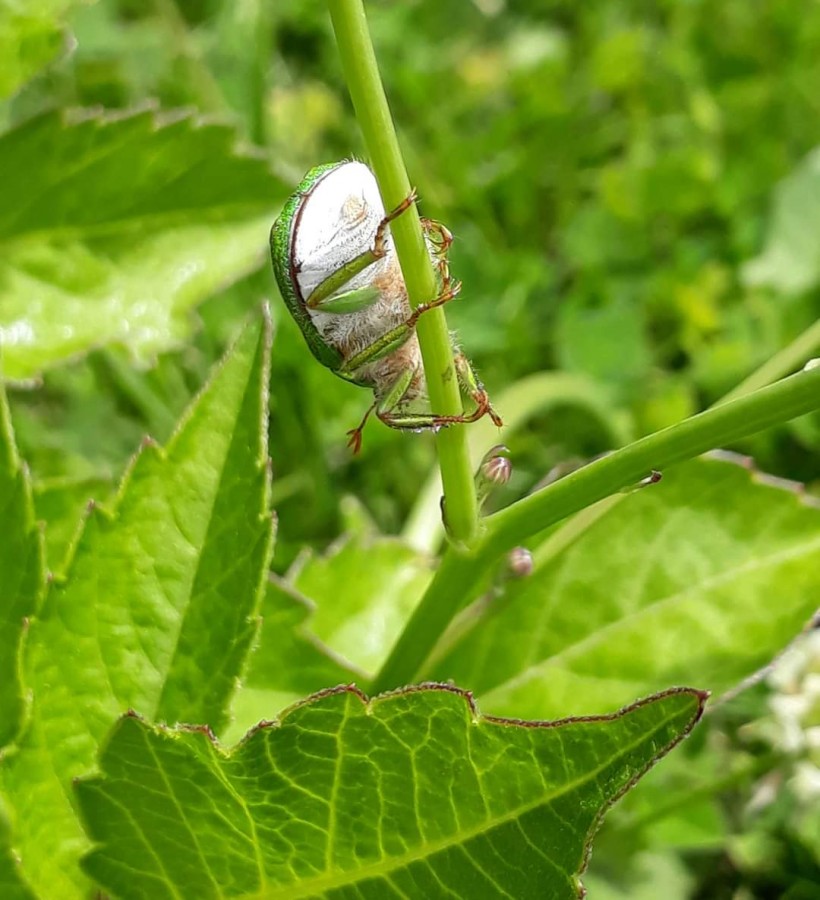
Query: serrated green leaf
point(60, 504)
point(702, 578)
point(409, 794)
point(790, 261)
point(21, 574)
point(121, 225)
point(156, 611)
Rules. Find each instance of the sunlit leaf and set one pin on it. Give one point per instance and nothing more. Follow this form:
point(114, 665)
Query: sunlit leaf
point(790, 260)
point(155, 611)
point(412, 794)
point(704, 577)
point(120, 226)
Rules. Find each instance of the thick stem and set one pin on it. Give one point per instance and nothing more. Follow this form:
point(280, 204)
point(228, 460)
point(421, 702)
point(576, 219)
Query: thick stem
point(369, 101)
point(456, 578)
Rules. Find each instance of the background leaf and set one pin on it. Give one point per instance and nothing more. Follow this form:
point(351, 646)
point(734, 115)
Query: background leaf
point(11, 883)
point(31, 35)
point(704, 576)
point(331, 621)
point(364, 589)
point(790, 261)
point(121, 225)
point(409, 794)
point(21, 574)
point(156, 609)
point(287, 663)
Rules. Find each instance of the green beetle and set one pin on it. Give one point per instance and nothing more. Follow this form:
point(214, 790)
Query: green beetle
point(340, 277)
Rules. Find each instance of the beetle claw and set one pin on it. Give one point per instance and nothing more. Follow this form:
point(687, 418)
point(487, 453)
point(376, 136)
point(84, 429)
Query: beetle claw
point(355, 440)
point(355, 434)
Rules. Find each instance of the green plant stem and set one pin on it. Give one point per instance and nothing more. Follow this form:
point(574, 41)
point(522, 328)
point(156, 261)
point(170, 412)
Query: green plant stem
point(457, 576)
point(527, 397)
point(373, 114)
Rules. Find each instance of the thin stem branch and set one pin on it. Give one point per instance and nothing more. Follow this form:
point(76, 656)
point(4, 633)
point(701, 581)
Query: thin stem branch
point(373, 114)
point(457, 576)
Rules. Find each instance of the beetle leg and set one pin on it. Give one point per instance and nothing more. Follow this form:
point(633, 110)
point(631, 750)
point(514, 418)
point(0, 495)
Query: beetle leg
point(354, 436)
point(438, 236)
point(472, 388)
point(439, 239)
point(346, 302)
point(381, 232)
point(393, 339)
point(387, 406)
point(382, 406)
point(361, 298)
point(423, 421)
point(381, 347)
point(451, 290)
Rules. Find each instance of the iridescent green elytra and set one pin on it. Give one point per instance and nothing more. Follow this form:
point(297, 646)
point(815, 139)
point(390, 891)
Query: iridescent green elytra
point(340, 278)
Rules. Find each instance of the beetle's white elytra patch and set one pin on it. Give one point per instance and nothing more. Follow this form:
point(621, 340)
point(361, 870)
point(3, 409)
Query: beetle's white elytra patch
point(338, 222)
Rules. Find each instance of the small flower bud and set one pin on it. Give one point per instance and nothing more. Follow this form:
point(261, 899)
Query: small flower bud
point(519, 562)
point(495, 470)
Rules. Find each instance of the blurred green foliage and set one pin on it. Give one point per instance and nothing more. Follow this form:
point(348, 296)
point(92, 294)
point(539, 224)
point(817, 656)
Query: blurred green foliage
point(607, 171)
point(633, 198)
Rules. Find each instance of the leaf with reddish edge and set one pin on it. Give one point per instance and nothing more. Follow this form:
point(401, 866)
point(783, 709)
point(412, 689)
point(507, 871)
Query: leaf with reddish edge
point(410, 794)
